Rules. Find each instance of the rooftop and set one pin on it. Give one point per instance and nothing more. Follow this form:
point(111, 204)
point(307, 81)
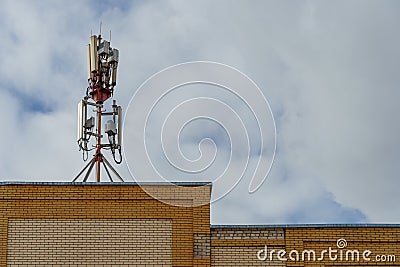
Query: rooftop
point(308, 225)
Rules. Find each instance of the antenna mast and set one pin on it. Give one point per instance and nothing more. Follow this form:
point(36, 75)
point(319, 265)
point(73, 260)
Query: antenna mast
point(102, 79)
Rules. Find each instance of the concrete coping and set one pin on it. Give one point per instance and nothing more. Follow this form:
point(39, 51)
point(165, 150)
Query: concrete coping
point(107, 183)
point(308, 225)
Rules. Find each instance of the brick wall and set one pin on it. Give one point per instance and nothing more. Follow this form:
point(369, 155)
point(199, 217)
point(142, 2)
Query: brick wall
point(121, 225)
point(103, 211)
point(381, 241)
point(89, 242)
point(239, 246)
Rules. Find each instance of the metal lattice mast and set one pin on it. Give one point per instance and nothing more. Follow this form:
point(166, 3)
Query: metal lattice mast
point(102, 77)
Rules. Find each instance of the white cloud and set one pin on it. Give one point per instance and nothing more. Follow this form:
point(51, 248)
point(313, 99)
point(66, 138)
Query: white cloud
point(329, 70)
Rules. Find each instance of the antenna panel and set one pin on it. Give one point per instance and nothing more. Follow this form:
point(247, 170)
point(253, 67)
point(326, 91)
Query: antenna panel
point(119, 132)
point(89, 124)
point(93, 54)
point(114, 57)
point(104, 48)
point(114, 74)
point(81, 120)
point(110, 128)
point(89, 62)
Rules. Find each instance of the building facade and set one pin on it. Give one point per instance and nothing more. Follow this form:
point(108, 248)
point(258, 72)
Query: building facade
point(98, 224)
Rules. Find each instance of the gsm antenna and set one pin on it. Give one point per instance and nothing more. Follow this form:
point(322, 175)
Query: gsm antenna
point(102, 79)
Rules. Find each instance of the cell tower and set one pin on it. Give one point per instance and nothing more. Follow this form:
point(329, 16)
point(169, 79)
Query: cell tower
point(102, 77)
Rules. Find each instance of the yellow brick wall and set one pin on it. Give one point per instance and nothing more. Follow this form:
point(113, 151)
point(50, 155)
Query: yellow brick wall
point(89, 242)
point(39, 204)
point(122, 225)
point(243, 256)
point(381, 241)
point(239, 246)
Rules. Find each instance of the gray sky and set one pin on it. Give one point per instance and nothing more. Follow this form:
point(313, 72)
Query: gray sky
point(329, 69)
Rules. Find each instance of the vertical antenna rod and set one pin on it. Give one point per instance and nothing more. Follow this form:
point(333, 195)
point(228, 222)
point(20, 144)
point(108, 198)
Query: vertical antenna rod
point(99, 100)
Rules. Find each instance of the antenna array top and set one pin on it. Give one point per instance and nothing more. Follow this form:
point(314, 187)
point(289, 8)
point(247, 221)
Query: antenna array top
point(102, 68)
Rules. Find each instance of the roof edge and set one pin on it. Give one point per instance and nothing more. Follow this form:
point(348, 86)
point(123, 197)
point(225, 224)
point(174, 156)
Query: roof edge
point(107, 183)
point(309, 225)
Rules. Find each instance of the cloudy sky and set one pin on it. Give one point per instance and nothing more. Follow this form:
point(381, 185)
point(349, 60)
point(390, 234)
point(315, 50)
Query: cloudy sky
point(329, 69)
